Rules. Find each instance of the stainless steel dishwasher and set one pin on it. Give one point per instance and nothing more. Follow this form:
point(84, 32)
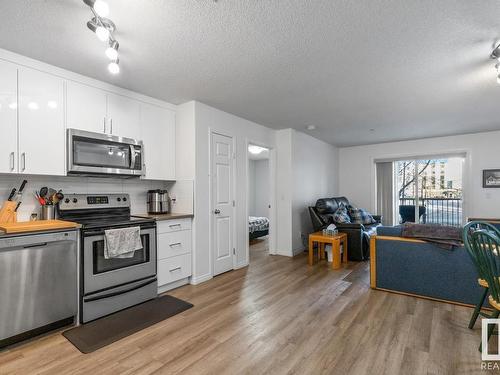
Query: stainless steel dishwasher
point(38, 284)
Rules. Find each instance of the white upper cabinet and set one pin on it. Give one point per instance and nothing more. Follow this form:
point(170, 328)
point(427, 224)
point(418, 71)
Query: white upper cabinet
point(85, 108)
point(123, 116)
point(41, 123)
point(8, 118)
point(158, 135)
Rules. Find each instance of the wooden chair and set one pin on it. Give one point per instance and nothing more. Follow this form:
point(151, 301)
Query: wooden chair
point(468, 231)
point(485, 244)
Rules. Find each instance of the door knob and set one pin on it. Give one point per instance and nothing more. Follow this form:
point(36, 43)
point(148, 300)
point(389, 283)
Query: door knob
point(217, 211)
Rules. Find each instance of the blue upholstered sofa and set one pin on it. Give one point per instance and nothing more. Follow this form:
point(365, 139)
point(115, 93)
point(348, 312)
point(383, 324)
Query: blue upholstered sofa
point(419, 268)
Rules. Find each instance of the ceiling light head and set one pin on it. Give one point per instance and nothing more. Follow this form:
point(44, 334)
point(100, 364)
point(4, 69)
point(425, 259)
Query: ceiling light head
point(100, 7)
point(310, 127)
point(102, 33)
point(256, 150)
point(102, 27)
point(113, 67)
point(112, 50)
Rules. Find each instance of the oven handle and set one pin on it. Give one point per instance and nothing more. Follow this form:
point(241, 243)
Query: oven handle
point(113, 294)
point(100, 232)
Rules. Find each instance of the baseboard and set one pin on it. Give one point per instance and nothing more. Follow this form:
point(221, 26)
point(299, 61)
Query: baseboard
point(241, 265)
point(297, 251)
point(200, 279)
point(175, 284)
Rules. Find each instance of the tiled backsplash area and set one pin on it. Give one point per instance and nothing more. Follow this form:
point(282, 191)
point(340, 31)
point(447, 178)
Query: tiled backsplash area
point(136, 188)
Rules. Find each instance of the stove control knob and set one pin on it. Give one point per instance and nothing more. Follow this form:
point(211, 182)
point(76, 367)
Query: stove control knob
point(124, 199)
point(75, 200)
point(66, 200)
point(118, 199)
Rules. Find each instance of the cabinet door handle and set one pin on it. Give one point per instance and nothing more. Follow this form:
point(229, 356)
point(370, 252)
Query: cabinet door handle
point(174, 244)
point(175, 269)
point(12, 161)
point(23, 160)
point(174, 225)
point(111, 126)
point(104, 126)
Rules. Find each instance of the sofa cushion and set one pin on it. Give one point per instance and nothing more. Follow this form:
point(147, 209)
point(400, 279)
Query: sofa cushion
point(341, 216)
point(330, 205)
point(360, 216)
point(326, 206)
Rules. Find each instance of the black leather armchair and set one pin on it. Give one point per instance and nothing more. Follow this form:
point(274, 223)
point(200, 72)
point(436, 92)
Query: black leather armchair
point(358, 235)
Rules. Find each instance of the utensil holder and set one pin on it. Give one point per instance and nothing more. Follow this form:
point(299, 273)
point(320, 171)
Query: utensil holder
point(48, 212)
point(8, 213)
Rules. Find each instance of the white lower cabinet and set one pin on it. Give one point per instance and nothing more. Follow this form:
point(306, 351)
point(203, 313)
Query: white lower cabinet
point(174, 269)
point(174, 248)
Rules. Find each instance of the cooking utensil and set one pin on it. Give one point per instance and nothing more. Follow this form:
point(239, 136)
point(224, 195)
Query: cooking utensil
point(19, 196)
point(43, 191)
point(20, 191)
point(39, 198)
point(11, 195)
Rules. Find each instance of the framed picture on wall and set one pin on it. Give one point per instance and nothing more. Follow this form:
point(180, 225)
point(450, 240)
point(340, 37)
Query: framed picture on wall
point(491, 178)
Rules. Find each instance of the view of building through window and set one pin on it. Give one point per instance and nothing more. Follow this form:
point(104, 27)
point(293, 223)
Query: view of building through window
point(432, 185)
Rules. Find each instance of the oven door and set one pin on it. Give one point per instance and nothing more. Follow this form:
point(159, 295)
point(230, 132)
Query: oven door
point(101, 274)
point(95, 153)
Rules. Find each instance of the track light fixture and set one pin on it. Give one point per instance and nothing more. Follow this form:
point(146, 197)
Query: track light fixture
point(104, 28)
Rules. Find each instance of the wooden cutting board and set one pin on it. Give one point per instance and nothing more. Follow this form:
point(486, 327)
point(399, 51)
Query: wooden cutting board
point(37, 225)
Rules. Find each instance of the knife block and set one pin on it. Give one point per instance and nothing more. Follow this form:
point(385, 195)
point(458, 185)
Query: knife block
point(8, 213)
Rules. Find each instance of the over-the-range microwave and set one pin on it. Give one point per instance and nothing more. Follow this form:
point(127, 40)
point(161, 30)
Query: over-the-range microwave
point(103, 154)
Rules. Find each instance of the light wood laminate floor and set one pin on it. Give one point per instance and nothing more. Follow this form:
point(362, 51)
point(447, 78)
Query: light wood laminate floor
point(278, 316)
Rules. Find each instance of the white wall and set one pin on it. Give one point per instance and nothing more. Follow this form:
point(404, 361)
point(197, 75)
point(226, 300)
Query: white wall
point(251, 187)
point(357, 170)
point(205, 119)
point(314, 175)
point(284, 192)
point(258, 188)
point(262, 186)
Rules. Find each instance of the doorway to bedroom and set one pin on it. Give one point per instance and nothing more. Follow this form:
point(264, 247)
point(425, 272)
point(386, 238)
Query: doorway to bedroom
point(259, 200)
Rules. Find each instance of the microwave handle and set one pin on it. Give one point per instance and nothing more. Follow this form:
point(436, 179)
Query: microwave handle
point(132, 156)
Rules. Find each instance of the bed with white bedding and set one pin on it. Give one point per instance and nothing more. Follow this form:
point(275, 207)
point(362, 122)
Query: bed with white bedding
point(258, 227)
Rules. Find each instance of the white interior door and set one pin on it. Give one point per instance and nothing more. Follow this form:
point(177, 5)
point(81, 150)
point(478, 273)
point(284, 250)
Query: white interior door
point(222, 202)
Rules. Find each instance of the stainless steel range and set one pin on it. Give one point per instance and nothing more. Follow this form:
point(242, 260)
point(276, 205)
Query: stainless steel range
point(110, 285)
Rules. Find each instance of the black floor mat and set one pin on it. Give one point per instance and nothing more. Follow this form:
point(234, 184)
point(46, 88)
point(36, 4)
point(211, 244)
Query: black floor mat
point(104, 331)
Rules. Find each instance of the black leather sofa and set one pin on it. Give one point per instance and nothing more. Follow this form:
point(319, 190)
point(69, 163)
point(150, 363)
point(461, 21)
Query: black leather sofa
point(358, 235)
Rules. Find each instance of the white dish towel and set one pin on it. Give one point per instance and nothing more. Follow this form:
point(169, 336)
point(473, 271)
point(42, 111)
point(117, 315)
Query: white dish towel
point(122, 242)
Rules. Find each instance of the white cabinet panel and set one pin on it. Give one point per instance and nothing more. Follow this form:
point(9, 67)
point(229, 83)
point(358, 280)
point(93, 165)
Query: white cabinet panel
point(8, 118)
point(85, 108)
point(173, 225)
point(173, 269)
point(124, 116)
point(158, 135)
point(174, 243)
point(41, 123)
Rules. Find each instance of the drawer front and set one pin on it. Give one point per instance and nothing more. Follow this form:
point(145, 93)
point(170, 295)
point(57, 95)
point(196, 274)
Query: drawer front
point(173, 269)
point(174, 243)
point(173, 225)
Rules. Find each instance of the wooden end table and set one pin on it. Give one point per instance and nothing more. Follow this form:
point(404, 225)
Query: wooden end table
point(335, 241)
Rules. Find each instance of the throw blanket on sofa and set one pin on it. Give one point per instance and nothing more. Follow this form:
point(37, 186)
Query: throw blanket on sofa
point(444, 236)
